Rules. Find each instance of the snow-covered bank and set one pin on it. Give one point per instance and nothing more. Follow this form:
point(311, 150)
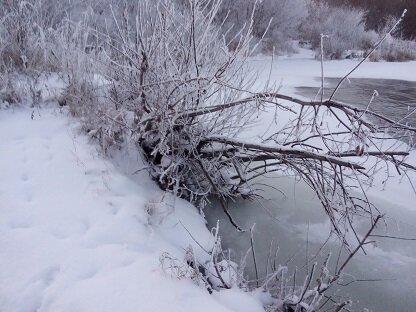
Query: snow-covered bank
point(75, 234)
point(302, 69)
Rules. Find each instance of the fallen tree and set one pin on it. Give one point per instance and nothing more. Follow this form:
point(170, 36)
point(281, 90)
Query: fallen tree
point(185, 100)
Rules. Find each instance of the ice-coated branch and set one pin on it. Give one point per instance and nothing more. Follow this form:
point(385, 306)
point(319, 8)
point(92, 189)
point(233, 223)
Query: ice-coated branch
point(277, 152)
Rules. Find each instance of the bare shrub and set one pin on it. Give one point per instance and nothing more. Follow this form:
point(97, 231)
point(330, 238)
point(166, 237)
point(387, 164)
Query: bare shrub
point(211, 270)
point(80, 63)
point(9, 93)
point(16, 88)
point(344, 27)
point(24, 27)
point(275, 22)
point(396, 50)
point(161, 80)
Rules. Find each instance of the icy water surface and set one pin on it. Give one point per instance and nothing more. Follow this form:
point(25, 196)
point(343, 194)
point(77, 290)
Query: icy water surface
point(291, 217)
point(396, 98)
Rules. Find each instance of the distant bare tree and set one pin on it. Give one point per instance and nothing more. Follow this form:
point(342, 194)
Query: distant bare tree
point(275, 21)
point(344, 28)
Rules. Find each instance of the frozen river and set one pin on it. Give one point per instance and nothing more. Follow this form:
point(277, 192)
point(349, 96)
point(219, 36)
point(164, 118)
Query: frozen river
point(383, 280)
point(396, 98)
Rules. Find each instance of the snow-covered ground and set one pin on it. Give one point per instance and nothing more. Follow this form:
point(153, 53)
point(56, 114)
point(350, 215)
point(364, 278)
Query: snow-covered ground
point(75, 232)
point(302, 69)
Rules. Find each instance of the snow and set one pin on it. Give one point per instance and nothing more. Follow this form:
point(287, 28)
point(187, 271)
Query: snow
point(302, 69)
point(81, 233)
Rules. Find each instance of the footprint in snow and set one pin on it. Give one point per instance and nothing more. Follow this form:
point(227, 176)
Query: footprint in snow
point(24, 177)
point(19, 224)
point(88, 273)
point(28, 197)
point(114, 210)
point(19, 138)
point(46, 275)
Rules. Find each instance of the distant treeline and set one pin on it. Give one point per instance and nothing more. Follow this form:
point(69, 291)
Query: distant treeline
point(379, 12)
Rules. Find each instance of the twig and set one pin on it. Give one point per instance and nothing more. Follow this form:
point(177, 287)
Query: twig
point(393, 237)
point(254, 254)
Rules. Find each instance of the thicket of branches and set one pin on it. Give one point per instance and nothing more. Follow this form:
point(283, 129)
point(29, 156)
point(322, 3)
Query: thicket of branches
point(378, 13)
point(278, 22)
point(344, 30)
point(160, 74)
point(347, 34)
point(275, 22)
point(184, 99)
